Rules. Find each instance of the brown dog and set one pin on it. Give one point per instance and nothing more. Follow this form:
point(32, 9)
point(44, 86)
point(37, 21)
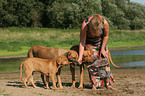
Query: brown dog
point(51, 53)
point(45, 66)
point(76, 48)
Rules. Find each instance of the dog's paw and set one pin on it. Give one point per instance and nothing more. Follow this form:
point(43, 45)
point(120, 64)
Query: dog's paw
point(36, 87)
point(73, 86)
point(56, 88)
point(61, 88)
point(80, 87)
point(28, 87)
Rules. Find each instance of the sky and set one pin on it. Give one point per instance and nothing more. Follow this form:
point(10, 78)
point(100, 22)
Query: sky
point(139, 1)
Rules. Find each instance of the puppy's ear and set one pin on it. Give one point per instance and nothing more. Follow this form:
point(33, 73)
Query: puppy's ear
point(58, 61)
point(68, 54)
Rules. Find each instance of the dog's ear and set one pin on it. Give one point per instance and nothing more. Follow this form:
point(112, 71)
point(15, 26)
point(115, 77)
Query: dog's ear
point(58, 61)
point(68, 54)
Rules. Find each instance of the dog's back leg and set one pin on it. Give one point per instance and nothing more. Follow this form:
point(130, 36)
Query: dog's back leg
point(27, 75)
point(31, 81)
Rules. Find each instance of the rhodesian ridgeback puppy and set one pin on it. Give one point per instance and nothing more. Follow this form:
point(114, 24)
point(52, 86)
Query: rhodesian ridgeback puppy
point(48, 67)
point(76, 48)
point(51, 53)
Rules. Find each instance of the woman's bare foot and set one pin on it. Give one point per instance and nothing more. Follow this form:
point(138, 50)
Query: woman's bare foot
point(94, 88)
point(112, 88)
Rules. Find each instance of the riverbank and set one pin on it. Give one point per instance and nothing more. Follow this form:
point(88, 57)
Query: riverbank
point(115, 49)
point(128, 82)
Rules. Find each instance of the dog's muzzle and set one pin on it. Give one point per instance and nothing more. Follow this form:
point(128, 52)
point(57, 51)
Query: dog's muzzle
point(74, 62)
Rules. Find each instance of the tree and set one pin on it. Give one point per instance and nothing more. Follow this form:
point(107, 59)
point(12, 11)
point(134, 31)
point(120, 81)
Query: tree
point(135, 14)
point(70, 13)
point(115, 14)
point(20, 13)
point(7, 13)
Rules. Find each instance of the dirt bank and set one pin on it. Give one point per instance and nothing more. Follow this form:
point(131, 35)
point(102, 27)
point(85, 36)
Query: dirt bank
point(129, 82)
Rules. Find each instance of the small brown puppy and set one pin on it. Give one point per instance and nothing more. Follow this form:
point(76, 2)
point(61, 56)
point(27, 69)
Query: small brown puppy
point(45, 66)
point(86, 58)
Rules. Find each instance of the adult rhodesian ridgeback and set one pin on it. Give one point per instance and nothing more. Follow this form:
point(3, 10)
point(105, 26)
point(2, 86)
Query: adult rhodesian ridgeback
point(48, 67)
point(76, 48)
point(51, 53)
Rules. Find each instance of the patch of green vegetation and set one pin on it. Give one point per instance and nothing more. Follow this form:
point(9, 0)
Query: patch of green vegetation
point(15, 41)
point(126, 38)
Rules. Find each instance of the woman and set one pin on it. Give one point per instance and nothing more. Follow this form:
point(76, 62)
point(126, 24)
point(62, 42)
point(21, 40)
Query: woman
point(94, 36)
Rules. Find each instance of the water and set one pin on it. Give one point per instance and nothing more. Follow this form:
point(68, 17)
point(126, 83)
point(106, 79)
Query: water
point(125, 58)
point(133, 52)
point(130, 58)
point(131, 64)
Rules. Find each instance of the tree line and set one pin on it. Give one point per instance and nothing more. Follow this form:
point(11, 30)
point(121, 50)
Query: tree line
point(121, 14)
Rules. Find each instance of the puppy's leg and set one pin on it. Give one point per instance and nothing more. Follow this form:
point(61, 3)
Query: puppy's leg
point(47, 82)
point(53, 81)
point(81, 78)
point(31, 81)
point(59, 79)
point(73, 76)
point(27, 75)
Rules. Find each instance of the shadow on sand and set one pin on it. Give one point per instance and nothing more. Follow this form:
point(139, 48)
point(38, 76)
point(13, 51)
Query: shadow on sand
point(41, 85)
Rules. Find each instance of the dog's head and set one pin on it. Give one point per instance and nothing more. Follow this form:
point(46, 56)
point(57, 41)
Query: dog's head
point(62, 60)
point(72, 57)
point(87, 56)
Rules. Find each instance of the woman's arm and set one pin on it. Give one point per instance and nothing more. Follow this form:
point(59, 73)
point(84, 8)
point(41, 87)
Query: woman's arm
point(82, 41)
point(105, 38)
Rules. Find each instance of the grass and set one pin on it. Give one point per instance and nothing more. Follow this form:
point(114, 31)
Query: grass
point(17, 41)
point(126, 38)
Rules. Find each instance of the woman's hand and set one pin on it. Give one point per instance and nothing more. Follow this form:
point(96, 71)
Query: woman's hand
point(80, 61)
point(104, 53)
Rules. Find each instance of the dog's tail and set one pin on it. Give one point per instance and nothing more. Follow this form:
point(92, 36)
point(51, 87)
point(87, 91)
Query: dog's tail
point(30, 53)
point(110, 60)
point(20, 71)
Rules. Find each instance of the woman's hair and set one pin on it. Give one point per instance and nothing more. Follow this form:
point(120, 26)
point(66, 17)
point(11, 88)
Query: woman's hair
point(96, 22)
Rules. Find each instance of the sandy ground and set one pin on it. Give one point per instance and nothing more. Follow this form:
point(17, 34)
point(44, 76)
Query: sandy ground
point(129, 82)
